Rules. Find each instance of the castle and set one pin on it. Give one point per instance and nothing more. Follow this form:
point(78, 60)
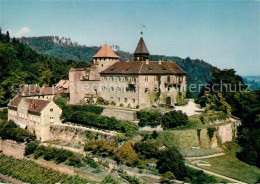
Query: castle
point(135, 84)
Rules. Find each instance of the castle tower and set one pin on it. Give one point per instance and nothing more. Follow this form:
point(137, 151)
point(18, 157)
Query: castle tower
point(141, 52)
point(104, 58)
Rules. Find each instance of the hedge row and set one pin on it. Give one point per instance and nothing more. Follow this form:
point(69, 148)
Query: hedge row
point(67, 110)
point(30, 172)
point(98, 121)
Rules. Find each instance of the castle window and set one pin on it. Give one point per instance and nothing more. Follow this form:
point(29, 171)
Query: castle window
point(146, 78)
point(156, 78)
point(168, 79)
point(133, 100)
point(112, 89)
point(102, 65)
point(51, 110)
point(125, 100)
point(118, 99)
point(146, 90)
point(155, 89)
point(115, 79)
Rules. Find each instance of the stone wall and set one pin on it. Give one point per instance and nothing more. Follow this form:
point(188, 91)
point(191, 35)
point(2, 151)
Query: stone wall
point(12, 148)
point(77, 134)
point(199, 137)
point(120, 114)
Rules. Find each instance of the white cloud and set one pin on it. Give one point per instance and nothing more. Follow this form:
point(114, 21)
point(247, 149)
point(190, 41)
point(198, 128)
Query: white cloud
point(23, 32)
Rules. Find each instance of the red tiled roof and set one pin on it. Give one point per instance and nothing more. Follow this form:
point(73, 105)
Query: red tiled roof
point(63, 84)
point(106, 51)
point(15, 101)
point(36, 105)
point(141, 67)
point(33, 90)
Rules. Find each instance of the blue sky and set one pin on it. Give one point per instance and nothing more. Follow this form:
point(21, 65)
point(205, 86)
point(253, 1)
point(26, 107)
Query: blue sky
point(225, 34)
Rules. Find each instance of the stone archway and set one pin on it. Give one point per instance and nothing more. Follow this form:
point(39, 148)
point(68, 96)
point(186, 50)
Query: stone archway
point(168, 101)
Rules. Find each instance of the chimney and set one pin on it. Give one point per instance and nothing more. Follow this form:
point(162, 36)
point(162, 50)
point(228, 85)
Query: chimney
point(147, 61)
point(160, 62)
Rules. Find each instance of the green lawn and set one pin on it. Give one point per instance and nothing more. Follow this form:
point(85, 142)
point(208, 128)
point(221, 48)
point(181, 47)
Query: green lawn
point(229, 165)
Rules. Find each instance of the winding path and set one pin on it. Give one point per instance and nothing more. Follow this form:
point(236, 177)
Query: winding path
point(215, 174)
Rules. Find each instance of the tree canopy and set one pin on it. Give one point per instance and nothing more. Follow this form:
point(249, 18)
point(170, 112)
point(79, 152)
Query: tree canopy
point(19, 64)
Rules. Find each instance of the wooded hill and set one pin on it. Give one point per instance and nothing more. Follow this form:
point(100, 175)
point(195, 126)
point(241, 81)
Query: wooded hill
point(19, 64)
point(198, 70)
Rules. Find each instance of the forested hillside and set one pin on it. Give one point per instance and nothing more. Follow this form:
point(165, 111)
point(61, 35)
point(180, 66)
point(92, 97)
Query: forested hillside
point(19, 64)
point(198, 70)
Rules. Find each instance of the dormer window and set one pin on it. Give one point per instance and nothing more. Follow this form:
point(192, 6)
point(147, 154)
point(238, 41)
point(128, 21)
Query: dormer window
point(150, 69)
point(164, 68)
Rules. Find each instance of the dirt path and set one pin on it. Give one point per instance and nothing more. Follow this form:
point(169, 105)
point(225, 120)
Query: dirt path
point(215, 174)
point(190, 108)
point(208, 156)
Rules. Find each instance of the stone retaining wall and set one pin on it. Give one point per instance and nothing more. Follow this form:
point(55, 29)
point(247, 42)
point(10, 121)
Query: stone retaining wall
point(120, 114)
point(77, 134)
point(12, 148)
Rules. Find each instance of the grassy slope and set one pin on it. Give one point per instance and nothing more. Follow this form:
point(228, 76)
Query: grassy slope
point(229, 165)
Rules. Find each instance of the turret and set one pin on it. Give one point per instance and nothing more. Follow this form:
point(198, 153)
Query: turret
point(141, 52)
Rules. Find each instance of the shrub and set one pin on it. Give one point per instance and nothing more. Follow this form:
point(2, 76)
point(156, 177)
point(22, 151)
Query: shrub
point(130, 179)
point(39, 152)
point(91, 162)
point(167, 177)
point(61, 102)
point(100, 146)
point(9, 130)
point(113, 103)
point(198, 177)
point(31, 147)
point(146, 118)
point(172, 160)
point(173, 119)
point(74, 160)
point(211, 116)
point(100, 101)
point(4, 114)
point(127, 154)
point(109, 179)
point(211, 131)
point(148, 149)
